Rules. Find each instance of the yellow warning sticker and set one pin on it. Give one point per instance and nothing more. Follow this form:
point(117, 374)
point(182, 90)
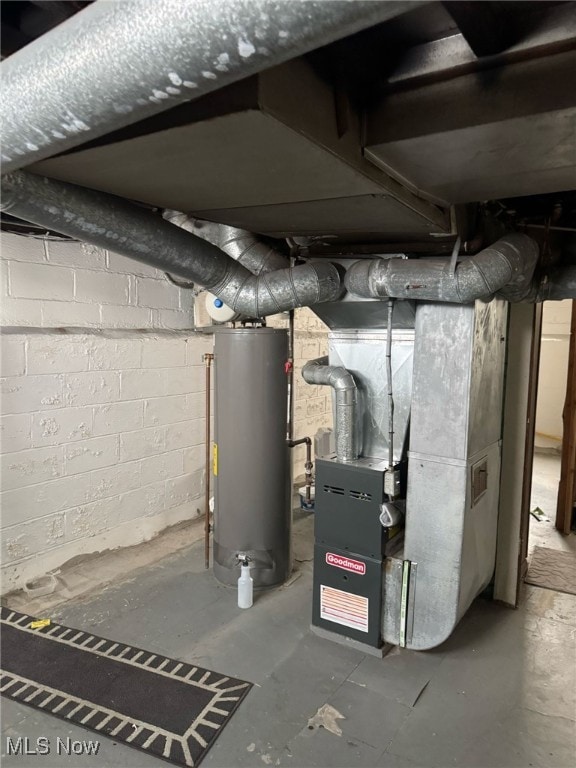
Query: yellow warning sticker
point(344, 608)
point(215, 459)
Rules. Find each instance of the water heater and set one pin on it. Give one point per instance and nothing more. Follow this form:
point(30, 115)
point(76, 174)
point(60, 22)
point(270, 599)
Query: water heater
point(252, 513)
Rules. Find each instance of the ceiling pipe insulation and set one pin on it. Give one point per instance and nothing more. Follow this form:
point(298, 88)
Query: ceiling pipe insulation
point(505, 268)
point(114, 223)
point(60, 91)
point(342, 382)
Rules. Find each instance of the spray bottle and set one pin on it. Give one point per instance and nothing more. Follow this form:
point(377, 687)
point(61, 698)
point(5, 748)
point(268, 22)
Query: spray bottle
point(245, 583)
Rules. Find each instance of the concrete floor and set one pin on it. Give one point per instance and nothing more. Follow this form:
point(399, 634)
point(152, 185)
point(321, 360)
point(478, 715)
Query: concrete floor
point(545, 479)
point(500, 693)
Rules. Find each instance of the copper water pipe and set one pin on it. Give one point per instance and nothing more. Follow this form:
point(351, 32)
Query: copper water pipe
point(208, 357)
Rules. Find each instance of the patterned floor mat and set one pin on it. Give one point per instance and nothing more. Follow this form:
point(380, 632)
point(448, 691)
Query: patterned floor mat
point(552, 569)
point(169, 708)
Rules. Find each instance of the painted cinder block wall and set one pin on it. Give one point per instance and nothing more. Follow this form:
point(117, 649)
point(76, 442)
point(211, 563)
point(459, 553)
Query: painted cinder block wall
point(102, 403)
point(312, 404)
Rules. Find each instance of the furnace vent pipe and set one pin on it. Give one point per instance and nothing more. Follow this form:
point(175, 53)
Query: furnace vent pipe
point(342, 382)
point(114, 223)
point(116, 63)
point(244, 247)
point(505, 268)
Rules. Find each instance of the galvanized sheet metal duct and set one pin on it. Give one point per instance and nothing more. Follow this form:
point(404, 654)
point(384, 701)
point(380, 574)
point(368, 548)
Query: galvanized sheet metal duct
point(116, 63)
point(244, 247)
point(504, 269)
point(249, 250)
point(114, 223)
point(342, 382)
point(280, 291)
point(363, 353)
point(455, 432)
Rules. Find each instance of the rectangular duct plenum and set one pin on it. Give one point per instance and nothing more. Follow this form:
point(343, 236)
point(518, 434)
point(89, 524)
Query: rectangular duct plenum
point(453, 467)
point(506, 132)
point(274, 154)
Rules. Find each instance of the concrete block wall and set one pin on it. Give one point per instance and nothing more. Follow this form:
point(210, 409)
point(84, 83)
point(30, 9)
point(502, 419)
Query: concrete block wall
point(102, 443)
point(312, 404)
point(51, 284)
point(102, 403)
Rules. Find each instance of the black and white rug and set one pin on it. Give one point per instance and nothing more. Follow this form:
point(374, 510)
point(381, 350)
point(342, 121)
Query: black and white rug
point(168, 708)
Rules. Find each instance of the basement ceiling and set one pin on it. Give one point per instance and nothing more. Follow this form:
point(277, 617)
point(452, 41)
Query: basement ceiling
point(376, 136)
point(270, 154)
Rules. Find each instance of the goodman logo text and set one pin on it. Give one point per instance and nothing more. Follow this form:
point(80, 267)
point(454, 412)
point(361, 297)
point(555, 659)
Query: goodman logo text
point(346, 563)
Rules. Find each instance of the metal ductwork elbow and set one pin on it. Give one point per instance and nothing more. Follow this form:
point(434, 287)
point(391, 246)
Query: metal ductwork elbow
point(279, 291)
point(342, 382)
point(505, 269)
point(114, 223)
point(244, 247)
point(247, 249)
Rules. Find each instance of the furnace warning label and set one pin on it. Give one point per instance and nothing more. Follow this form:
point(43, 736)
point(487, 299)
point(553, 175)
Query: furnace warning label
point(344, 608)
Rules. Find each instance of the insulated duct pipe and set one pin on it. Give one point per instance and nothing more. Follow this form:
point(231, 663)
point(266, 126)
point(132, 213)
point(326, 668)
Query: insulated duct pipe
point(341, 380)
point(505, 268)
point(116, 63)
point(250, 251)
point(114, 223)
point(244, 247)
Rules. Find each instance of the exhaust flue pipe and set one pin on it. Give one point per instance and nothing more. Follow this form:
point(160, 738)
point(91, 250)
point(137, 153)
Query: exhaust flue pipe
point(504, 269)
point(342, 382)
point(244, 247)
point(114, 223)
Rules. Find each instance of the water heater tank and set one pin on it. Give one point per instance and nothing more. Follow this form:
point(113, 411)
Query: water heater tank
point(252, 513)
